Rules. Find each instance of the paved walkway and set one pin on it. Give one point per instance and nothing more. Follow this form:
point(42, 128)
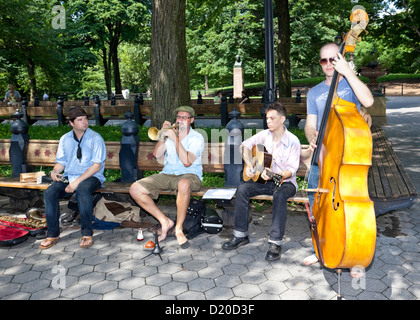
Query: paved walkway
point(113, 267)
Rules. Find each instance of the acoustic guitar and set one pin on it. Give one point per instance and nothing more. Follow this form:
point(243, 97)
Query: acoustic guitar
point(260, 160)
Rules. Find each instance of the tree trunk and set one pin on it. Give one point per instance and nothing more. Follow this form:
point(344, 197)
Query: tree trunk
point(107, 73)
point(30, 67)
point(115, 32)
point(283, 45)
point(168, 65)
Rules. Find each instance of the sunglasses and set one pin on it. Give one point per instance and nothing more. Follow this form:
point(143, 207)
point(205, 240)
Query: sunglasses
point(324, 61)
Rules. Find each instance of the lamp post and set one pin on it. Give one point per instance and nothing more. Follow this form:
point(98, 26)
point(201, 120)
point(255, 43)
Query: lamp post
point(270, 80)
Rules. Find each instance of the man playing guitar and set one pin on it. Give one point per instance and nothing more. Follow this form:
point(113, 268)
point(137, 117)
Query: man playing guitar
point(284, 149)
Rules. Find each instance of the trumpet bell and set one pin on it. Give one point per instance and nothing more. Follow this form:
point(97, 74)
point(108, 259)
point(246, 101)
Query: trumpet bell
point(153, 133)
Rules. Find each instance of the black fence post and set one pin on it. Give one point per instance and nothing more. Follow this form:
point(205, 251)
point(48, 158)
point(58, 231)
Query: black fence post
point(129, 150)
point(138, 118)
point(298, 96)
point(36, 101)
point(25, 116)
point(231, 100)
point(223, 111)
point(99, 120)
point(60, 113)
point(233, 160)
point(18, 144)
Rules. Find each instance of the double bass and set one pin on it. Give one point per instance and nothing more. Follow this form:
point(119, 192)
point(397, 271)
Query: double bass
point(344, 213)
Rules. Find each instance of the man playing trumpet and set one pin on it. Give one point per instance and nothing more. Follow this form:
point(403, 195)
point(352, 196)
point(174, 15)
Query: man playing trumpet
point(181, 148)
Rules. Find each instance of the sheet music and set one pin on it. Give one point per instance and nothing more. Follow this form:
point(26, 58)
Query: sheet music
point(220, 193)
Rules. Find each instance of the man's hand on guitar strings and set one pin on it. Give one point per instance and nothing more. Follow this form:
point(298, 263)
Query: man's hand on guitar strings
point(250, 171)
point(265, 175)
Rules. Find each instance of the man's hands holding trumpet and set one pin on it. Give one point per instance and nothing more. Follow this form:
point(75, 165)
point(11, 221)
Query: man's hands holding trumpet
point(167, 131)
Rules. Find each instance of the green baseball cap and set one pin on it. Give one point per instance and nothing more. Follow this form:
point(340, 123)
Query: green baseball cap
point(185, 109)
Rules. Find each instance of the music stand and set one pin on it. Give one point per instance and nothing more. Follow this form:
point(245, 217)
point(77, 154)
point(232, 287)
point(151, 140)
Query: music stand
point(157, 250)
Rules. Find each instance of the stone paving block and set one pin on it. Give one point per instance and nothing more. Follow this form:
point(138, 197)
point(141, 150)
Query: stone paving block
point(246, 290)
point(253, 277)
point(321, 292)
point(92, 278)
point(104, 286)
point(26, 276)
point(170, 268)
point(210, 272)
point(19, 296)
point(201, 284)
point(235, 269)
point(392, 293)
point(9, 289)
point(272, 287)
point(191, 295)
point(35, 285)
point(75, 291)
point(298, 283)
point(184, 275)
point(118, 275)
point(158, 279)
point(145, 271)
point(118, 294)
point(219, 293)
point(80, 270)
point(294, 295)
point(174, 288)
point(228, 281)
point(89, 296)
point(131, 283)
point(267, 297)
point(146, 292)
point(106, 266)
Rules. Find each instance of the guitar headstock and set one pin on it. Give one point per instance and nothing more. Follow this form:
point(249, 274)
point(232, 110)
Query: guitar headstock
point(278, 180)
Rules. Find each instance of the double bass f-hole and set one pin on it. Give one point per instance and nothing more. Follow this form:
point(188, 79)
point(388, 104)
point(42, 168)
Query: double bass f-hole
point(332, 180)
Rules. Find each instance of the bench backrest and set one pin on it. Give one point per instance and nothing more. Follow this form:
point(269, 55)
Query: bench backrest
point(42, 153)
point(120, 109)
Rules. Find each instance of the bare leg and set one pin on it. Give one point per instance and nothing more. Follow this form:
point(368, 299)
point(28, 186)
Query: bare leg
point(143, 199)
point(182, 202)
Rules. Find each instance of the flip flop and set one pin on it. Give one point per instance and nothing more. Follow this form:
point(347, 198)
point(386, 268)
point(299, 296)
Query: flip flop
point(52, 241)
point(86, 241)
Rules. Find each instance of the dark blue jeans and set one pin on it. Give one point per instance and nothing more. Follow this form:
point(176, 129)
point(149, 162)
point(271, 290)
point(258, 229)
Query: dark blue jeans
point(84, 194)
point(279, 213)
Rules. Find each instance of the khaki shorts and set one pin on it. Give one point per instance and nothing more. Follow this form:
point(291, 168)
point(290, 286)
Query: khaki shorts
point(158, 182)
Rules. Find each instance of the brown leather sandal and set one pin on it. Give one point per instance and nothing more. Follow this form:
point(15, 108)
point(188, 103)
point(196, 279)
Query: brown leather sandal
point(48, 243)
point(86, 242)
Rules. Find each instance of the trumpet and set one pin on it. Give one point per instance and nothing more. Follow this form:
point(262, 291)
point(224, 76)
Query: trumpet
point(154, 133)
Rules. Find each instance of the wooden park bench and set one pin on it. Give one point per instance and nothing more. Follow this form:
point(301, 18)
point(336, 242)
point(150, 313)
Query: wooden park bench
point(42, 153)
point(390, 188)
point(104, 111)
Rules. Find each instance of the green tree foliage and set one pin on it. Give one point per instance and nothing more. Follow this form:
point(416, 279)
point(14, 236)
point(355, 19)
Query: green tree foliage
point(105, 45)
point(105, 24)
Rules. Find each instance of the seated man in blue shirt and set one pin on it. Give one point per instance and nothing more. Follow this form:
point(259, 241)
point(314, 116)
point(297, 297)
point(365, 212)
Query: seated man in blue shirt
point(81, 155)
point(182, 171)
